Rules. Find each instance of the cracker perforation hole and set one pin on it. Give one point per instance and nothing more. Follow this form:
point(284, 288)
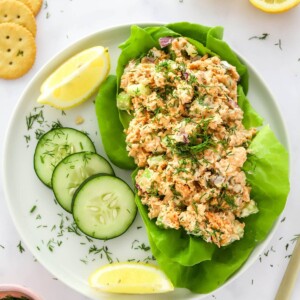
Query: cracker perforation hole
point(5, 16)
point(7, 37)
point(8, 50)
point(20, 39)
point(18, 17)
point(10, 63)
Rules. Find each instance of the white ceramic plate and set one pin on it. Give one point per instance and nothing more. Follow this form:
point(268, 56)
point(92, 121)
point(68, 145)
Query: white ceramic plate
point(44, 226)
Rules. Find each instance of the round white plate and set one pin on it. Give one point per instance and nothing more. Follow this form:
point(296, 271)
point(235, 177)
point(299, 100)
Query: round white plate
point(45, 227)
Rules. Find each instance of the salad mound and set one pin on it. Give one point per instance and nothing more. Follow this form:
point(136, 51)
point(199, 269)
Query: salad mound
point(187, 259)
point(188, 139)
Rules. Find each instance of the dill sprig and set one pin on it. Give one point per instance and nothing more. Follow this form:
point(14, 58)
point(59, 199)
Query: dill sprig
point(260, 37)
point(74, 229)
point(33, 118)
point(21, 248)
point(102, 251)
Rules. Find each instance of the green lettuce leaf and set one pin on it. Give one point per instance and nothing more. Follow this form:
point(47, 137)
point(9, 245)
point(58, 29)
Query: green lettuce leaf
point(187, 250)
point(158, 32)
point(251, 117)
point(267, 171)
point(195, 31)
point(215, 44)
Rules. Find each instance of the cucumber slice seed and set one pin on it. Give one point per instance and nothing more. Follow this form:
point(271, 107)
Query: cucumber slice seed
point(54, 146)
point(72, 171)
point(104, 207)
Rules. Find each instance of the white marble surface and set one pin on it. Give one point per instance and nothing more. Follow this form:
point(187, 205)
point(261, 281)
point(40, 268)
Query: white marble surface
point(60, 23)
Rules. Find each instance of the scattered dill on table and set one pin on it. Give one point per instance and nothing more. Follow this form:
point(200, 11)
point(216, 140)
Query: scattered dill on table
point(260, 37)
point(21, 248)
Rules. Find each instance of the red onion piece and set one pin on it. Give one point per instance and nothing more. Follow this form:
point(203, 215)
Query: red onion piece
point(232, 103)
point(218, 180)
point(165, 41)
point(195, 58)
point(148, 59)
point(186, 75)
point(185, 138)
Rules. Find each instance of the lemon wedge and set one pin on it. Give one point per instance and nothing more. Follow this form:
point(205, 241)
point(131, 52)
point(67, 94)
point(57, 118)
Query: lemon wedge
point(77, 79)
point(275, 6)
point(130, 278)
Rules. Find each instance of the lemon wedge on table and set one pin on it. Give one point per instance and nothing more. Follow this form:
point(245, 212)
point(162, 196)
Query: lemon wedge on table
point(77, 79)
point(130, 278)
point(275, 6)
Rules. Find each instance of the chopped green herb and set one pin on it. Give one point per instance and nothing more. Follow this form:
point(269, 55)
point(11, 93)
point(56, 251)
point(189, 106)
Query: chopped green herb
point(144, 247)
point(131, 260)
point(33, 209)
point(21, 248)
point(260, 37)
point(32, 118)
point(39, 133)
point(104, 250)
point(56, 124)
point(149, 258)
point(27, 138)
point(278, 44)
point(295, 238)
point(84, 261)
point(89, 239)
point(73, 228)
point(132, 244)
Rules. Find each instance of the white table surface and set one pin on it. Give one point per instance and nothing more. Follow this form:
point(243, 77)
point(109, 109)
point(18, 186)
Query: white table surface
point(62, 22)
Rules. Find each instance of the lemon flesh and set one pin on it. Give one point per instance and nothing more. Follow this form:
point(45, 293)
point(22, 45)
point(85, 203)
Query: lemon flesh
point(130, 278)
point(275, 6)
point(77, 79)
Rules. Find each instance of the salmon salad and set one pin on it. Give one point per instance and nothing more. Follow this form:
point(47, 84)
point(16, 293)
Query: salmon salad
point(188, 140)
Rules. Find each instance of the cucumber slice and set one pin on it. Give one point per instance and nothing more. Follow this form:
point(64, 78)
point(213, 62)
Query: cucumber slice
point(72, 171)
point(54, 146)
point(104, 207)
